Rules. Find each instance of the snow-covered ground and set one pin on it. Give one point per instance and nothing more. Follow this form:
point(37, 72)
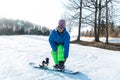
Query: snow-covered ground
point(17, 51)
point(103, 39)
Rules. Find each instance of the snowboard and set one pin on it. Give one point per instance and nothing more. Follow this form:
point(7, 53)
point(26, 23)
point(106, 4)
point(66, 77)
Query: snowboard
point(35, 65)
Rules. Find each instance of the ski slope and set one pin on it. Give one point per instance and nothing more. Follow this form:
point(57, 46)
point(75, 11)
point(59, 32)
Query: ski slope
point(17, 51)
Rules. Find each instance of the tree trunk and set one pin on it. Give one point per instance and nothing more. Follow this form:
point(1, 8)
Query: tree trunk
point(95, 23)
point(79, 29)
point(99, 21)
point(106, 22)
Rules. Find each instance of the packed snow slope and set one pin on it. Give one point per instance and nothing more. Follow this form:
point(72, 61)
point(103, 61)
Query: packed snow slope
point(17, 51)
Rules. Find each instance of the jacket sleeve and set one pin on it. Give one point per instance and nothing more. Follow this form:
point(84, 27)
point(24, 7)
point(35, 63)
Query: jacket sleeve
point(66, 45)
point(51, 41)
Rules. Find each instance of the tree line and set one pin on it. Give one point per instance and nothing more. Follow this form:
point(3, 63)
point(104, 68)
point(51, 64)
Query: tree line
point(113, 31)
point(20, 27)
point(99, 14)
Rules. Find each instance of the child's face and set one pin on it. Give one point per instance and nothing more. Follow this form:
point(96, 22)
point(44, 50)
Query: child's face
point(60, 29)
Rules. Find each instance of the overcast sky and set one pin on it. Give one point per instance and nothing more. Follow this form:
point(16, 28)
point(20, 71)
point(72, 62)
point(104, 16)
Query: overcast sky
point(41, 12)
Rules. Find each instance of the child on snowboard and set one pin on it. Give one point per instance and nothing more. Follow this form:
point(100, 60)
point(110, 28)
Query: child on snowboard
point(59, 40)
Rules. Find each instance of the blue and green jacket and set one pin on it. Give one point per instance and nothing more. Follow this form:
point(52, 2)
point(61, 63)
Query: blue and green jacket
point(57, 38)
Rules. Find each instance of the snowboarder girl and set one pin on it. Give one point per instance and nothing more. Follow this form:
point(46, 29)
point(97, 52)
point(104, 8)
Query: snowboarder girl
point(59, 40)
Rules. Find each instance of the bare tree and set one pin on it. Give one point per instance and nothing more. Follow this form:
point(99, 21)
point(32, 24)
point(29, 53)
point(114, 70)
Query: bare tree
point(79, 28)
point(106, 21)
point(95, 23)
point(75, 11)
point(99, 11)
point(99, 5)
point(99, 20)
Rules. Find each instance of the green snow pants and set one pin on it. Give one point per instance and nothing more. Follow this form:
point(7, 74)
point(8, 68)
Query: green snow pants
point(59, 55)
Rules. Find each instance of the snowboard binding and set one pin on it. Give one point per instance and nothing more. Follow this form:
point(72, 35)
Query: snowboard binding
point(45, 62)
point(59, 66)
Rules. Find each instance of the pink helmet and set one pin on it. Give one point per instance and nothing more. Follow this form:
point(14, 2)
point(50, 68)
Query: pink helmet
point(61, 23)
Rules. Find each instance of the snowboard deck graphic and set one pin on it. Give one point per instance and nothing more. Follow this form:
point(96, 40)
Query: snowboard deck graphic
point(34, 65)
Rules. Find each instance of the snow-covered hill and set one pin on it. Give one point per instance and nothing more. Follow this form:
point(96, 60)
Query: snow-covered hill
point(17, 51)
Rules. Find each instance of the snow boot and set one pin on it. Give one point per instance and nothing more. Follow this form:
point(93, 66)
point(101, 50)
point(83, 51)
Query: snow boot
point(61, 65)
point(56, 66)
